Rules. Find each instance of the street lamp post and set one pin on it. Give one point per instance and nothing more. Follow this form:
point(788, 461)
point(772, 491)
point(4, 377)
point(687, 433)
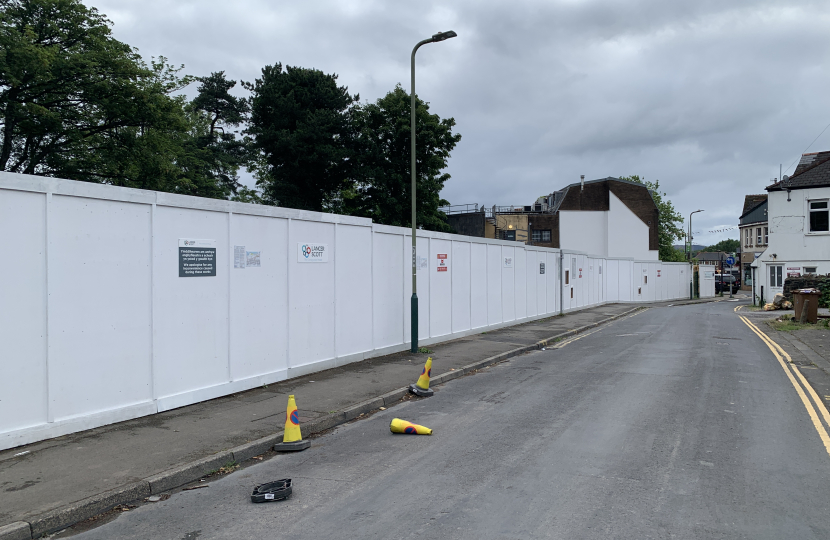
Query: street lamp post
point(691, 273)
point(440, 36)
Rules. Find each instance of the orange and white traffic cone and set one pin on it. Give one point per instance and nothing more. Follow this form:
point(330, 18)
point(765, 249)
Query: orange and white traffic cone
point(292, 439)
point(421, 388)
point(402, 426)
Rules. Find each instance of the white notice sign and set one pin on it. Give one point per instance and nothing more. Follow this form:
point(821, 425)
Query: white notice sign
point(310, 252)
point(239, 256)
point(252, 259)
point(508, 262)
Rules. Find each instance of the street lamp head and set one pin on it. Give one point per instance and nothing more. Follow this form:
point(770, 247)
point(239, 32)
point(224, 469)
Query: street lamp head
point(441, 36)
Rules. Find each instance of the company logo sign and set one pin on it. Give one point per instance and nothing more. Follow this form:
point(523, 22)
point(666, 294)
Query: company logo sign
point(311, 252)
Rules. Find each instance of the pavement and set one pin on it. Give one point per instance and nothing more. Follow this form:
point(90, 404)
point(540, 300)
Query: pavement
point(52, 484)
point(671, 422)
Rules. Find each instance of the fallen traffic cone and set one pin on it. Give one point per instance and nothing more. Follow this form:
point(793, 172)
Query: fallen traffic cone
point(421, 388)
point(292, 439)
point(402, 426)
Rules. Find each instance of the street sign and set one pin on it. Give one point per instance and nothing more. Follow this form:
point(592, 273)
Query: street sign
point(730, 261)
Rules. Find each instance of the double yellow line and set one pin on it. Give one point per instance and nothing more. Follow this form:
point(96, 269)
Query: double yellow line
point(790, 369)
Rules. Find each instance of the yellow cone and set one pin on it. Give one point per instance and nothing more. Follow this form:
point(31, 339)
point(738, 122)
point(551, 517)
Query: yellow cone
point(292, 422)
point(423, 380)
point(402, 426)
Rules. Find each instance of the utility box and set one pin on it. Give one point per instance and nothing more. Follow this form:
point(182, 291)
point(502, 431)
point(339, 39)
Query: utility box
point(809, 297)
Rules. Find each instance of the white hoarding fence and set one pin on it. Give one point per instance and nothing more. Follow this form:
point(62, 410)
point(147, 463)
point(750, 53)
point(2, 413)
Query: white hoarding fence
point(102, 323)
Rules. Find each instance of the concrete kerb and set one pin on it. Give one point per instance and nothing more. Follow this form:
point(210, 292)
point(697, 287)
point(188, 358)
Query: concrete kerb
point(87, 508)
point(179, 476)
point(19, 530)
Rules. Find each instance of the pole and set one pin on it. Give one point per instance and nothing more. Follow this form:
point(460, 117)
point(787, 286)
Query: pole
point(691, 267)
point(414, 302)
point(413, 308)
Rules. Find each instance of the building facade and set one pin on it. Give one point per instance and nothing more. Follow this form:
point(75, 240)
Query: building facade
point(609, 216)
point(754, 230)
point(799, 228)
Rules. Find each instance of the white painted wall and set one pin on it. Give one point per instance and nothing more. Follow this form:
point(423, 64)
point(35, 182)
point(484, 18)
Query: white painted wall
point(790, 239)
point(627, 234)
point(584, 231)
point(97, 327)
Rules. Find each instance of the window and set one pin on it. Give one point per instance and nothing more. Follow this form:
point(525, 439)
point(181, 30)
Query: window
point(509, 235)
point(567, 273)
point(758, 234)
point(810, 269)
point(766, 232)
point(539, 235)
point(747, 237)
point(776, 274)
point(818, 216)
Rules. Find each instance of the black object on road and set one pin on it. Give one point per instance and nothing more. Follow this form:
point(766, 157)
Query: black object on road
point(272, 491)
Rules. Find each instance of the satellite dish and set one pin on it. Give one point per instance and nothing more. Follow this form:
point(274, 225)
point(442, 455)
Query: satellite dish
point(785, 177)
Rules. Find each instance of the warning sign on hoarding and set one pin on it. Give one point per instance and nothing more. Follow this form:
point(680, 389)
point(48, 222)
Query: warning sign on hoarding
point(508, 262)
point(443, 262)
point(197, 258)
point(541, 268)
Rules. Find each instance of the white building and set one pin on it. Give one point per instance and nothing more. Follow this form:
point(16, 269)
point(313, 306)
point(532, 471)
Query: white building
point(799, 231)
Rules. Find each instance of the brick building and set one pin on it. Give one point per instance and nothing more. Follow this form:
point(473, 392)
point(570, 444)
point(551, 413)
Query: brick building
point(606, 217)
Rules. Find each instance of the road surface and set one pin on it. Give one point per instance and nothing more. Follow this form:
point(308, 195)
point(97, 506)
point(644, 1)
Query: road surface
point(676, 422)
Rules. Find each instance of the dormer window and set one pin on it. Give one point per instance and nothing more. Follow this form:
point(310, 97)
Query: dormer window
point(819, 216)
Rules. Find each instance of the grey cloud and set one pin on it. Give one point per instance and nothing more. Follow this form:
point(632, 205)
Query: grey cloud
point(707, 96)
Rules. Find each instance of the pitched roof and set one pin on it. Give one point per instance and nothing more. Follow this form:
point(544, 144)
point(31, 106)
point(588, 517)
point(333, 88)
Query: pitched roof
point(813, 171)
point(559, 196)
point(751, 202)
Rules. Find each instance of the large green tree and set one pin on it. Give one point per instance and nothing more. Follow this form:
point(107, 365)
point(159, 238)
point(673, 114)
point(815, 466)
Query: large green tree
point(301, 128)
point(670, 222)
point(382, 153)
point(76, 103)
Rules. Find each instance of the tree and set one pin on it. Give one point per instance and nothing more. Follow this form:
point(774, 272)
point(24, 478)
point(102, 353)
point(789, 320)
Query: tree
point(729, 246)
point(218, 154)
point(669, 226)
point(382, 175)
point(63, 81)
point(300, 125)
point(76, 103)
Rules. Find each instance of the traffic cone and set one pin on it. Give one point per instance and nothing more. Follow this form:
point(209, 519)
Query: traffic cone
point(421, 388)
point(292, 439)
point(402, 426)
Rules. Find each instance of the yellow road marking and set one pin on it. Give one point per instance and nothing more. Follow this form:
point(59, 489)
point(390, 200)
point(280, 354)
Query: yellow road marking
point(775, 348)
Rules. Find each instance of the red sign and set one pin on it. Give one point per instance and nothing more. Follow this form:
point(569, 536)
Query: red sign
point(658, 273)
point(580, 272)
point(442, 268)
point(442, 255)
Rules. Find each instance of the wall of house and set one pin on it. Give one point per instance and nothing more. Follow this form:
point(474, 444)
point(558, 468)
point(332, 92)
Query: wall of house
point(548, 222)
point(468, 224)
point(628, 236)
point(97, 326)
point(584, 230)
point(791, 244)
point(513, 222)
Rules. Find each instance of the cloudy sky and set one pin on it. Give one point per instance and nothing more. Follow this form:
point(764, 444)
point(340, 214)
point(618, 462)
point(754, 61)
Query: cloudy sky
point(708, 96)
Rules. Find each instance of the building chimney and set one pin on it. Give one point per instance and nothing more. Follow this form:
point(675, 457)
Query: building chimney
point(581, 182)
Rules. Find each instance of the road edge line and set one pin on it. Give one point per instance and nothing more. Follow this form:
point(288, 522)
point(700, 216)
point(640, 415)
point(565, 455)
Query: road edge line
point(822, 433)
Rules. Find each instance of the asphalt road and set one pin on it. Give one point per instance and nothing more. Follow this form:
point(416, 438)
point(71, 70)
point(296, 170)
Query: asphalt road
point(676, 422)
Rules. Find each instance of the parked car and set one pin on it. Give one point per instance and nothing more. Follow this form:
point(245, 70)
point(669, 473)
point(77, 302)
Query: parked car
point(726, 283)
